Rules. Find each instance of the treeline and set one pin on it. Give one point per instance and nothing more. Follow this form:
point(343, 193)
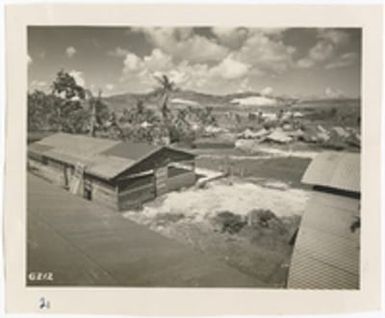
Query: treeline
point(67, 108)
point(71, 108)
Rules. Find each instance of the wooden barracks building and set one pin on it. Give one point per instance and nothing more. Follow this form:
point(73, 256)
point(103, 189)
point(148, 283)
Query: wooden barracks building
point(120, 175)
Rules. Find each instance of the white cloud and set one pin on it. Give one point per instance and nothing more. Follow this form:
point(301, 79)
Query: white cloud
point(337, 37)
point(267, 91)
point(132, 63)
point(143, 69)
point(230, 68)
point(343, 60)
point(305, 63)
point(321, 51)
point(266, 54)
point(228, 75)
point(158, 61)
point(184, 44)
point(110, 87)
point(178, 76)
point(269, 31)
point(78, 76)
point(333, 92)
point(118, 52)
point(232, 59)
point(38, 85)
point(70, 51)
point(231, 37)
point(245, 85)
point(329, 42)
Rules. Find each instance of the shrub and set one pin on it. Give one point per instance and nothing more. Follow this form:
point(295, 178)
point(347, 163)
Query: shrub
point(229, 222)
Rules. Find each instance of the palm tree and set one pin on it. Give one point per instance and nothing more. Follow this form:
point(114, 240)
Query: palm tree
point(167, 86)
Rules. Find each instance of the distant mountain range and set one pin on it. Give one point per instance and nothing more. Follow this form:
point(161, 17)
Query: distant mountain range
point(191, 98)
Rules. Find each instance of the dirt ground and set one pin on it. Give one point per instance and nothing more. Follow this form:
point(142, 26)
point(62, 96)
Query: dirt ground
point(193, 217)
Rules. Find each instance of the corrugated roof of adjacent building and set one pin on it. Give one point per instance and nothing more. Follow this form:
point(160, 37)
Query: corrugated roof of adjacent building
point(327, 252)
point(335, 170)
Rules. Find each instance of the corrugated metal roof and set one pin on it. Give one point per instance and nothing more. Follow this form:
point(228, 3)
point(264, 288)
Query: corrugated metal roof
point(38, 148)
point(102, 157)
point(61, 156)
point(130, 150)
point(327, 253)
point(78, 145)
point(335, 170)
point(107, 166)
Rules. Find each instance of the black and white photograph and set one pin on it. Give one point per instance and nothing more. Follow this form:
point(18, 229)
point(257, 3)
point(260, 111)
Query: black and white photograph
point(193, 159)
point(196, 156)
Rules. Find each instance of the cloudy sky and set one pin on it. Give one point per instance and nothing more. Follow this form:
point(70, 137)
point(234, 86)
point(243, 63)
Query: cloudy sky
point(295, 62)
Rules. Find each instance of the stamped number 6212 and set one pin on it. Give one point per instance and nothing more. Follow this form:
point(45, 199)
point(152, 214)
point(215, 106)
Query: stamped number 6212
point(40, 276)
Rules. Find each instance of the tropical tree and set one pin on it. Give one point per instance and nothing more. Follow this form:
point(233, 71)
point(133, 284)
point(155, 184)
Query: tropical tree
point(71, 108)
point(99, 112)
point(66, 86)
point(166, 87)
point(40, 111)
point(181, 129)
point(70, 113)
point(112, 127)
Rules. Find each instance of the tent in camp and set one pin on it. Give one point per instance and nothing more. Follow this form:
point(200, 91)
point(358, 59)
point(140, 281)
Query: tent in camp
point(279, 136)
point(249, 134)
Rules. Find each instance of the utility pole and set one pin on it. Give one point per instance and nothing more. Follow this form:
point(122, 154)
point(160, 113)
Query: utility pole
point(93, 102)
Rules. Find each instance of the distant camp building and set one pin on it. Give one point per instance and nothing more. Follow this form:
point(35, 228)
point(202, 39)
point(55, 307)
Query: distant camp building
point(120, 175)
point(327, 249)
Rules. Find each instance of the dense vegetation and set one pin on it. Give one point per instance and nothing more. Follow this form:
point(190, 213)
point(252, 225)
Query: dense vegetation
point(73, 109)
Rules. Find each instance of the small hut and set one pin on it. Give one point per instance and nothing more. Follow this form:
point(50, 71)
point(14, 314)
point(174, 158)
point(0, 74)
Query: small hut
point(120, 175)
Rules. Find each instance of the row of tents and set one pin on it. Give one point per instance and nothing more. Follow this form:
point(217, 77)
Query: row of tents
point(338, 137)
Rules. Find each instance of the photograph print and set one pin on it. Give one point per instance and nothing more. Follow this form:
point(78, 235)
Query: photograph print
point(193, 157)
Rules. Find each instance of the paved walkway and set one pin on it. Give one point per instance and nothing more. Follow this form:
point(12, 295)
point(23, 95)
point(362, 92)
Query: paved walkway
point(84, 244)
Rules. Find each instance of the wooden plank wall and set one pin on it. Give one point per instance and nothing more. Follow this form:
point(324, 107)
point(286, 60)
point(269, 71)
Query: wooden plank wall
point(50, 171)
point(135, 191)
point(127, 193)
point(104, 193)
point(180, 179)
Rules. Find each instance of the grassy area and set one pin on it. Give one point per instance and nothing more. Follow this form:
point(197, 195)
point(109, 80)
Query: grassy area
point(286, 169)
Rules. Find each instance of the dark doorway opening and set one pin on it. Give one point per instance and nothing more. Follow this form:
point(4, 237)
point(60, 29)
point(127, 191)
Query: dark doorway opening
point(87, 192)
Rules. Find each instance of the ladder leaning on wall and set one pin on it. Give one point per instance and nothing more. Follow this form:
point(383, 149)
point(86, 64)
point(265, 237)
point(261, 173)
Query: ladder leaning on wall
point(77, 178)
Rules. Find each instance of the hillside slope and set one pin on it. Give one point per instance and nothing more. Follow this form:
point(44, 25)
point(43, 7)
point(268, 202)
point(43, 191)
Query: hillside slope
point(191, 98)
